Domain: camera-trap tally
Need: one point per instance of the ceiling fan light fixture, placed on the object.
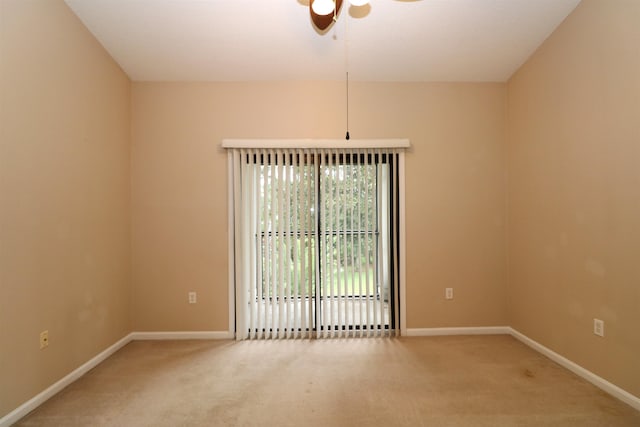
(323, 7)
(358, 2)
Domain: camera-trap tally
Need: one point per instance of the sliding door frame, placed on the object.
(315, 143)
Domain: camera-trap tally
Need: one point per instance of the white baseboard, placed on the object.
(482, 330)
(594, 379)
(49, 392)
(183, 335)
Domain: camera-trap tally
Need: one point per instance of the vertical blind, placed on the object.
(316, 249)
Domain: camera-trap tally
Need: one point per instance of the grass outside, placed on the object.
(346, 282)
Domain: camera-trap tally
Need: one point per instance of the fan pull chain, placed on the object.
(346, 61)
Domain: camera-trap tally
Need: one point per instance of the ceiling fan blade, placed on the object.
(322, 22)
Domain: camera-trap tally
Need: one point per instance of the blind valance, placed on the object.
(316, 143)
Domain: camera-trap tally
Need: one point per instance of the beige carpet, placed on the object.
(431, 381)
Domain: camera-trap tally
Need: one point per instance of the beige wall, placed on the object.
(571, 151)
(64, 197)
(574, 191)
(455, 192)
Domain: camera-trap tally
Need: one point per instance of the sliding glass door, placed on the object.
(316, 243)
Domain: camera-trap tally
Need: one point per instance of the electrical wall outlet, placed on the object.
(44, 339)
(193, 297)
(598, 327)
(448, 293)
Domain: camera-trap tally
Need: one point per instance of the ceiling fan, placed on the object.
(325, 12)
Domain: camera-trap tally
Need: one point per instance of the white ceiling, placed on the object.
(389, 40)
